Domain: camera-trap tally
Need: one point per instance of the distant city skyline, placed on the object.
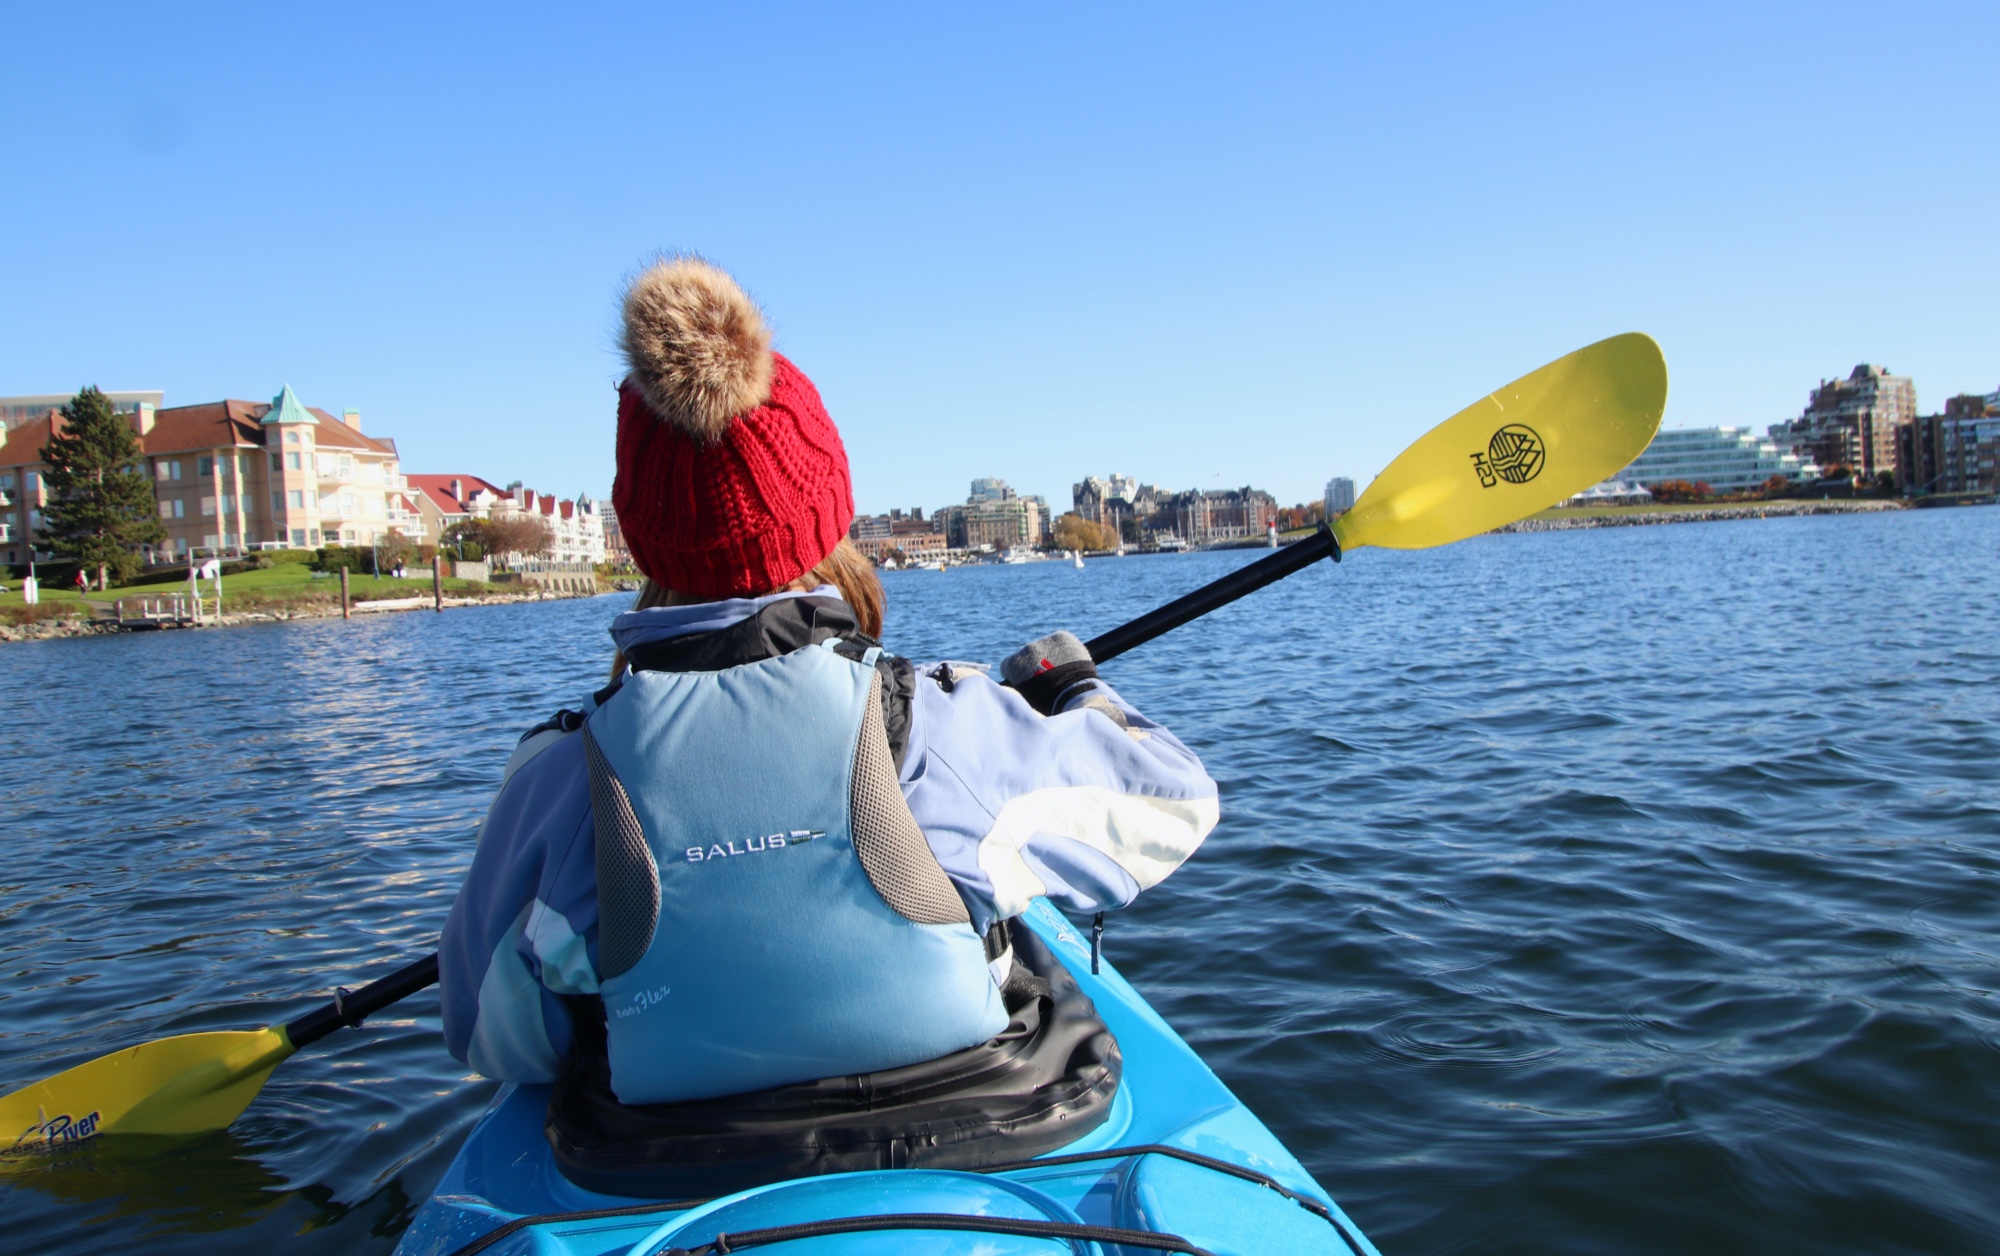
(1261, 247)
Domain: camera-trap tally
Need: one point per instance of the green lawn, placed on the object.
(284, 585)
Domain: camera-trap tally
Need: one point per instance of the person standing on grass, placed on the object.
(768, 851)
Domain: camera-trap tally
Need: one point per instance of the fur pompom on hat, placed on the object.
(732, 480)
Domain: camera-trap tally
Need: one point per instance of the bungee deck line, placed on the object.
(722, 1243)
(501, 1232)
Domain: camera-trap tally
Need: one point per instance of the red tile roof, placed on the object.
(438, 489)
(25, 441)
(192, 429)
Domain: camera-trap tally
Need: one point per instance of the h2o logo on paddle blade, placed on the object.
(1515, 454)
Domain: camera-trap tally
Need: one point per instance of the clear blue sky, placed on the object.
(1206, 246)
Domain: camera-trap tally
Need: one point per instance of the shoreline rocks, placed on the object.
(80, 626)
(1748, 510)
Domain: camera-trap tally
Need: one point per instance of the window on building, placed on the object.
(277, 501)
(243, 464)
(298, 538)
(315, 536)
(296, 499)
(291, 438)
(204, 466)
(7, 480)
(276, 465)
(229, 503)
(166, 510)
(31, 480)
(292, 462)
(346, 505)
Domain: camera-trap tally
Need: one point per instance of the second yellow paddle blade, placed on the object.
(1543, 438)
(180, 1085)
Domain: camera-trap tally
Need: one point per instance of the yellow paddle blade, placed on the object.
(182, 1085)
(1545, 437)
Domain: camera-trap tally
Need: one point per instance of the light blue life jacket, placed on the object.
(768, 910)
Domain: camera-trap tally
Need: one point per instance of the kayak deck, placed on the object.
(1179, 1155)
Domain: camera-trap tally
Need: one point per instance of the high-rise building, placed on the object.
(1852, 422)
(1954, 452)
(1339, 495)
(1727, 459)
(14, 411)
(989, 489)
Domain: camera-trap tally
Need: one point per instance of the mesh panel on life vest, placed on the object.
(628, 882)
(891, 847)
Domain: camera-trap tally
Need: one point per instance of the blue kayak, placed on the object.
(1178, 1164)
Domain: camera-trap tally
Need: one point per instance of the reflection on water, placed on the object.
(1630, 890)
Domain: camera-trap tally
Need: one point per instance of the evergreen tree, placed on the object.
(101, 504)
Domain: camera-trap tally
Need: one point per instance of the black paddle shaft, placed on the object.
(351, 1008)
(1295, 557)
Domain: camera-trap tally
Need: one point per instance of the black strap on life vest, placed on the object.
(783, 626)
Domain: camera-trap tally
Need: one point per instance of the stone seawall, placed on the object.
(1748, 510)
(80, 626)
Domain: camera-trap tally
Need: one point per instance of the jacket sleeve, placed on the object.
(523, 931)
(1088, 806)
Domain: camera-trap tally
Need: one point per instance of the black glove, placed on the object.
(1045, 671)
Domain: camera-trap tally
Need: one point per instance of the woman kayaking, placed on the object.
(767, 851)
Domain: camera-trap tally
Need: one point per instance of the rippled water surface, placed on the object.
(1630, 890)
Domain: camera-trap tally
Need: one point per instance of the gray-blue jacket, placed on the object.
(1088, 806)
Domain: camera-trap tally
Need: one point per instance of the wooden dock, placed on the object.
(148, 614)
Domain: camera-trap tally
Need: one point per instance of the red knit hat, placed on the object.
(732, 480)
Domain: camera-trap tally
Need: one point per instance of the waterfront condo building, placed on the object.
(576, 528)
(915, 536)
(1954, 452)
(1204, 516)
(1852, 422)
(232, 476)
(993, 515)
(1727, 459)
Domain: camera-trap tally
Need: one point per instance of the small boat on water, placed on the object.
(1128, 1143)
(1076, 556)
(1170, 543)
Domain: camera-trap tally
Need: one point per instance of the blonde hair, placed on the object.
(846, 569)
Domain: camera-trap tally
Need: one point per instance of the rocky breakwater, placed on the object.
(1747, 510)
(80, 625)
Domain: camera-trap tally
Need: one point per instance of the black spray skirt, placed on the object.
(1045, 1081)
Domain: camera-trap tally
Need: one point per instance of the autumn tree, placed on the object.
(515, 534)
(393, 548)
(1074, 532)
(1305, 516)
(1681, 491)
(101, 504)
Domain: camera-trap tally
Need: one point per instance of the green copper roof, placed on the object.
(285, 408)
